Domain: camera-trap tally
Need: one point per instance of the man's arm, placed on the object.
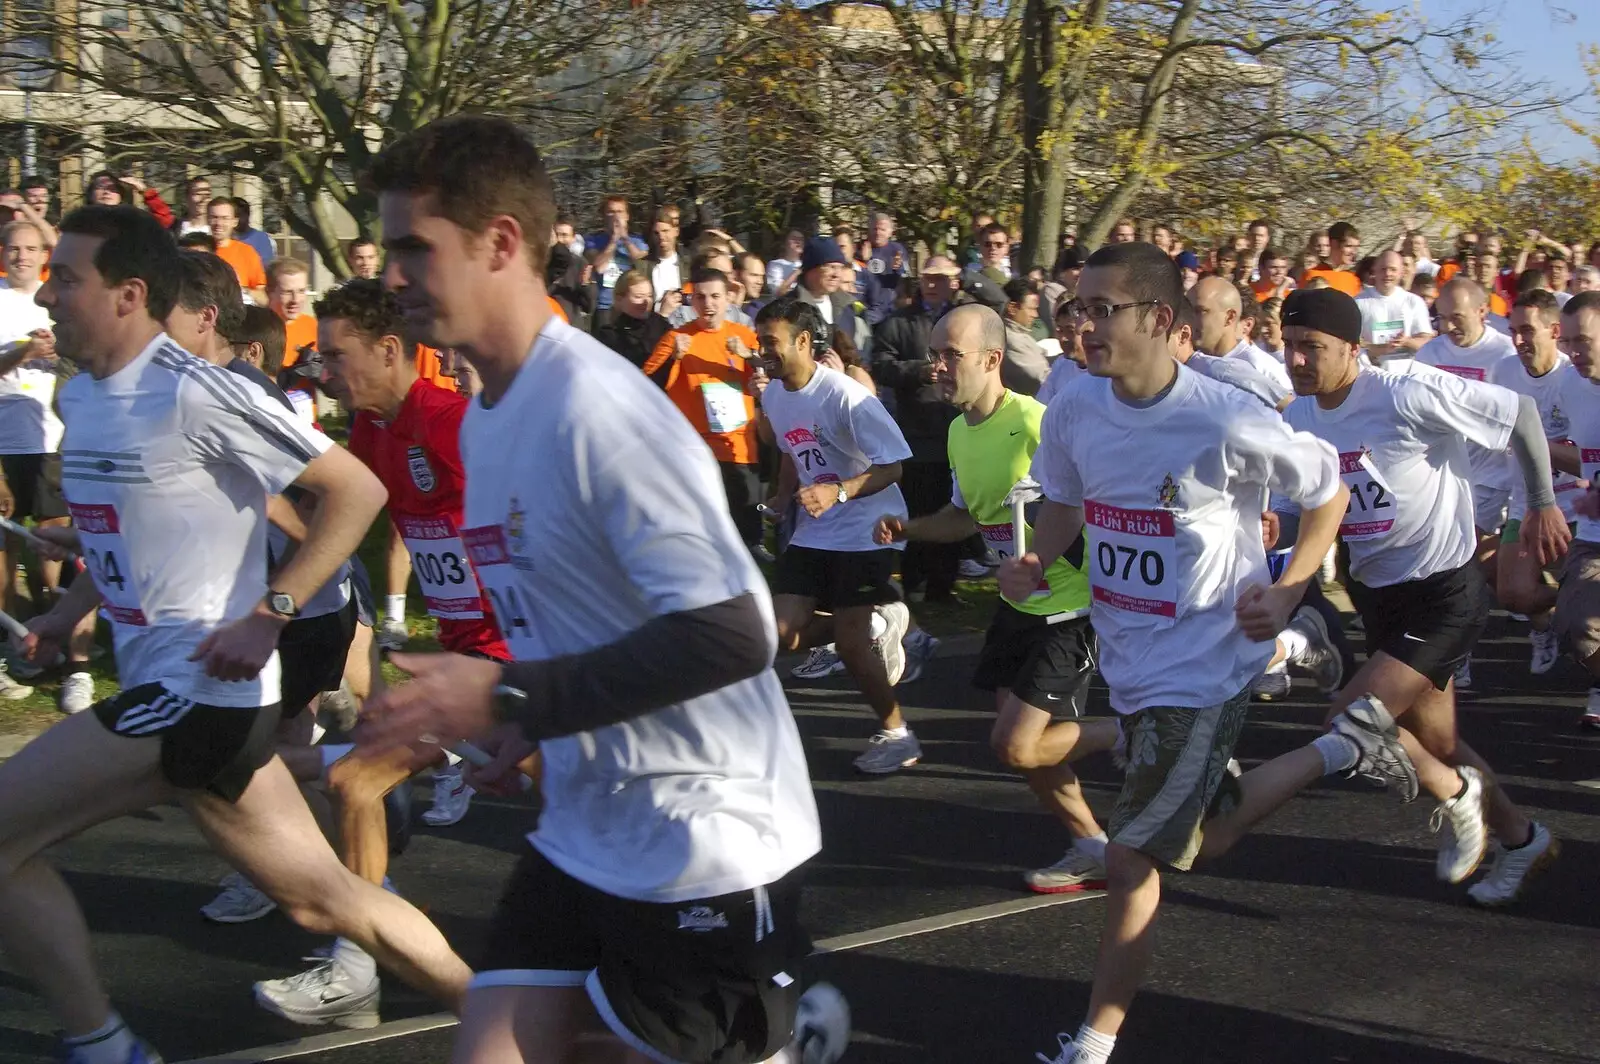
(950, 524)
(1564, 457)
(818, 499)
(1545, 534)
(1056, 529)
(350, 498)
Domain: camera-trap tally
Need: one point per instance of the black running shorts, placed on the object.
(837, 579)
(1047, 666)
(203, 748)
(312, 653)
(35, 482)
(1430, 624)
(705, 981)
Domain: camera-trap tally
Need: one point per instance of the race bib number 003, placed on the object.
(106, 557)
(1133, 564)
(444, 573)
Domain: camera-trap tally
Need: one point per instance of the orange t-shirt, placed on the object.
(709, 384)
(1498, 305)
(555, 308)
(1264, 289)
(430, 370)
(300, 332)
(1341, 280)
(1447, 271)
(246, 264)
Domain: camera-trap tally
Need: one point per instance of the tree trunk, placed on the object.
(1080, 43)
(1152, 115)
(1039, 102)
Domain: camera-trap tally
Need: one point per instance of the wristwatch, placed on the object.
(844, 496)
(282, 605)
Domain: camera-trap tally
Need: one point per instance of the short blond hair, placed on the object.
(277, 269)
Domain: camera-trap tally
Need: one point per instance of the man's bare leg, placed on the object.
(270, 836)
(74, 776)
(359, 786)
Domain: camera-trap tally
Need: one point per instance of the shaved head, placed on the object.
(1216, 302)
(1462, 309)
(1463, 293)
(976, 326)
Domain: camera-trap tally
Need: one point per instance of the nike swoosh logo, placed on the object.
(1052, 698)
(1413, 638)
(1017, 433)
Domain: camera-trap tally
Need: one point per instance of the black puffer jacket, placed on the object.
(900, 361)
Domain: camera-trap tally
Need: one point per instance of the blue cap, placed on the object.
(1187, 260)
(821, 250)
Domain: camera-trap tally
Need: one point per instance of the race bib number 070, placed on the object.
(1133, 559)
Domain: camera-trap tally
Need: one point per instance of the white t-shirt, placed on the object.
(166, 466)
(1270, 368)
(1172, 496)
(1238, 373)
(1387, 318)
(778, 271)
(1402, 443)
(1492, 359)
(834, 429)
(1427, 267)
(28, 425)
(666, 276)
(1546, 393)
(1580, 407)
(584, 453)
(1062, 373)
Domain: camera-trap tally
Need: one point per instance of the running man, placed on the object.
(1522, 584)
(677, 805)
(1164, 471)
(1038, 656)
(1403, 442)
(167, 465)
(842, 454)
(1577, 616)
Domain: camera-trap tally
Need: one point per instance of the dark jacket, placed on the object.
(632, 338)
(900, 362)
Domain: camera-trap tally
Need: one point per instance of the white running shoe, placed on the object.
(886, 754)
(1075, 871)
(1513, 868)
(1464, 674)
(1459, 823)
(1546, 651)
(821, 1026)
(972, 569)
(822, 661)
(1320, 657)
(890, 645)
(1066, 1051)
(239, 903)
(1272, 685)
(919, 651)
(393, 635)
(1591, 710)
(77, 692)
(451, 796)
(142, 1053)
(1367, 723)
(324, 994)
(11, 690)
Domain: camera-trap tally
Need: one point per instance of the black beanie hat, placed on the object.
(1325, 310)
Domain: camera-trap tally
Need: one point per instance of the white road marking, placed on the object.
(322, 1043)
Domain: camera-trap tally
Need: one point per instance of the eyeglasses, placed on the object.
(950, 356)
(1102, 311)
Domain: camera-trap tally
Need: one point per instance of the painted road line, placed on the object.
(323, 1043)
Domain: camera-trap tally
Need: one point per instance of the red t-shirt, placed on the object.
(418, 458)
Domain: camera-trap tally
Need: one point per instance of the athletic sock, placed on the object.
(1092, 1046)
(879, 625)
(354, 961)
(394, 607)
(897, 733)
(1294, 643)
(1462, 791)
(1092, 846)
(112, 1043)
(1339, 754)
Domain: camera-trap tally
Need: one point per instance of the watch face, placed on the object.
(282, 603)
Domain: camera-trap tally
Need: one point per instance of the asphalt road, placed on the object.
(1322, 938)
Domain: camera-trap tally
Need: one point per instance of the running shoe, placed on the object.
(1367, 723)
(822, 661)
(1546, 651)
(239, 903)
(1512, 869)
(1066, 1051)
(972, 569)
(451, 796)
(890, 646)
(77, 692)
(142, 1053)
(11, 690)
(324, 994)
(886, 754)
(821, 1026)
(1591, 711)
(393, 634)
(1320, 658)
(1464, 674)
(1463, 834)
(1272, 686)
(919, 647)
(1075, 871)
(23, 669)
